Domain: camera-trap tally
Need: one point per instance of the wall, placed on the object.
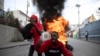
(9, 34)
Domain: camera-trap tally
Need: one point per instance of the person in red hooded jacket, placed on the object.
(53, 47)
(36, 31)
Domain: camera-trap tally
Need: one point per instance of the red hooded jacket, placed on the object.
(35, 33)
(54, 50)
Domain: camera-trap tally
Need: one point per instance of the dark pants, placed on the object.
(87, 38)
(31, 51)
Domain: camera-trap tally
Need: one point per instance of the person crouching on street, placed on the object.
(53, 47)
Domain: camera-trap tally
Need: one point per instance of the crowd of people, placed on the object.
(42, 41)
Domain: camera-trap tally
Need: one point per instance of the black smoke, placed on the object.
(49, 8)
(48, 4)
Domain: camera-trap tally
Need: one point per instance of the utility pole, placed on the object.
(78, 6)
(27, 10)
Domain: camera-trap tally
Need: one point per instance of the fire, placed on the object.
(58, 25)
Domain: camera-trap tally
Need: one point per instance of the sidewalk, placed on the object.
(98, 42)
(13, 44)
(89, 40)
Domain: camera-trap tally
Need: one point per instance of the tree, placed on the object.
(11, 20)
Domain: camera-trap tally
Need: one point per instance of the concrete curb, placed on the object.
(13, 44)
(97, 42)
(93, 41)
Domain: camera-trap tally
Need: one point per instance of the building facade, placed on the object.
(22, 17)
(1, 4)
(1, 8)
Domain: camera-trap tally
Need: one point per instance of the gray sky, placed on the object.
(70, 12)
(87, 8)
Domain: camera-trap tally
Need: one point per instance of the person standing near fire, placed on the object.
(36, 32)
(45, 35)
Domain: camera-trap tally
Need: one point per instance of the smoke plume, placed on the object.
(49, 8)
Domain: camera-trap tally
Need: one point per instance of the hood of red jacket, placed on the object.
(34, 17)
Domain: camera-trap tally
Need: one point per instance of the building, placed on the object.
(73, 31)
(22, 17)
(88, 20)
(1, 4)
(91, 18)
(1, 8)
(97, 14)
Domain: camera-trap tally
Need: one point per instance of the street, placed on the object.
(84, 48)
(81, 48)
(15, 51)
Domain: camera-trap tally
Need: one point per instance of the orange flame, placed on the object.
(58, 26)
